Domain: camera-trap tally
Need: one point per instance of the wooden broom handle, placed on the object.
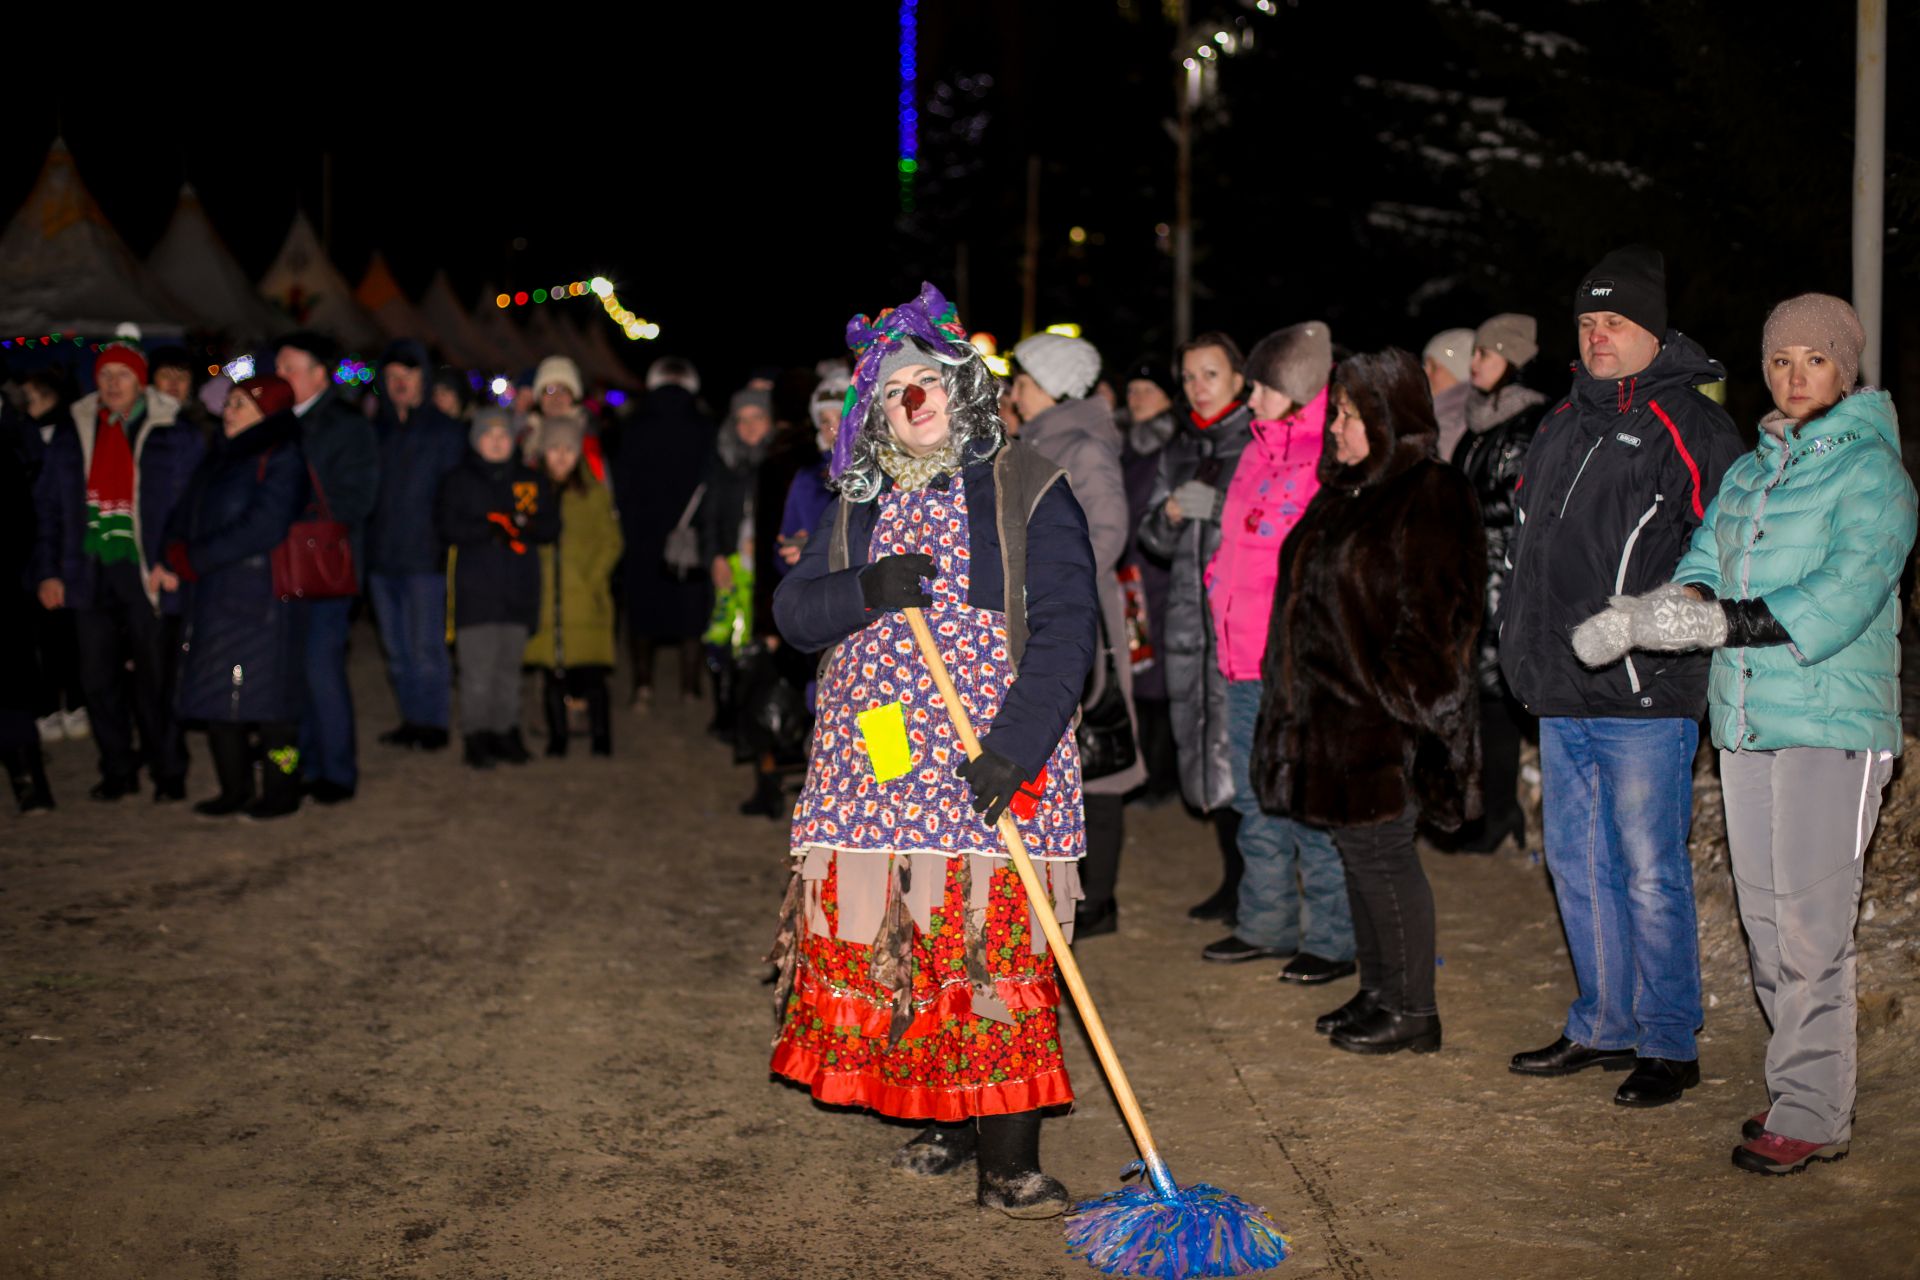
(1043, 908)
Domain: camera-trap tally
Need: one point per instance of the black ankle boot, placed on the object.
(1355, 1010)
(556, 707)
(27, 770)
(479, 750)
(600, 718)
(937, 1150)
(509, 748)
(1384, 1031)
(1010, 1177)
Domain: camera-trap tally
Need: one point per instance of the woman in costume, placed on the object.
(914, 979)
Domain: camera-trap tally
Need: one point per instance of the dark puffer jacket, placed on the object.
(238, 650)
(496, 573)
(1196, 686)
(1500, 426)
(1370, 703)
(165, 453)
(1618, 477)
(415, 456)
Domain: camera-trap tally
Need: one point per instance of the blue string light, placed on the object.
(909, 163)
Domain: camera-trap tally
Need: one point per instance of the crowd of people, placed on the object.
(1321, 597)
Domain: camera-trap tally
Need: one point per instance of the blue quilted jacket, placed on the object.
(1818, 526)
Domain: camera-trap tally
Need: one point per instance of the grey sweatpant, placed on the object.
(1798, 822)
(490, 657)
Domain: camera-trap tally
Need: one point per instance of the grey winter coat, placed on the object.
(1196, 687)
(1080, 437)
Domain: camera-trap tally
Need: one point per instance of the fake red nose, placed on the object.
(913, 398)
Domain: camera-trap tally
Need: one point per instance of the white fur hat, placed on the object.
(1066, 368)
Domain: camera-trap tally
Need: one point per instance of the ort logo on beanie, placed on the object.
(1631, 282)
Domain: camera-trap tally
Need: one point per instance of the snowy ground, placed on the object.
(513, 1025)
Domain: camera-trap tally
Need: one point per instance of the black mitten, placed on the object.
(893, 582)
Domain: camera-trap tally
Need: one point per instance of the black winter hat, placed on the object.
(1147, 369)
(323, 349)
(1631, 282)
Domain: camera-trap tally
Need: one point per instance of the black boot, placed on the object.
(938, 1149)
(27, 770)
(768, 799)
(479, 754)
(233, 767)
(1010, 1177)
(509, 748)
(555, 699)
(600, 718)
(279, 775)
(1225, 901)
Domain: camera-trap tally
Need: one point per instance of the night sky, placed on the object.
(732, 169)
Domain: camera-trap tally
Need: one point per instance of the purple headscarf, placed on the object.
(930, 318)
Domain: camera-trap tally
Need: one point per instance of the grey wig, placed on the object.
(973, 409)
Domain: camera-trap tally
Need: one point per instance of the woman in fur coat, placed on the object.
(1381, 588)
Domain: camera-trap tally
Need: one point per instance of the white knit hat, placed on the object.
(1452, 350)
(1066, 368)
(563, 371)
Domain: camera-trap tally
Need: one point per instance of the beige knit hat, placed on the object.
(1510, 335)
(1820, 321)
(1452, 350)
(560, 370)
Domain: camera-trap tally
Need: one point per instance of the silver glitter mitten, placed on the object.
(1604, 638)
(1669, 619)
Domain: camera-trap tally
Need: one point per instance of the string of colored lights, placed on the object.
(909, 111)
(635, 327)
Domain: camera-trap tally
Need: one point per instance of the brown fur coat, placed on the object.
(1369, 701)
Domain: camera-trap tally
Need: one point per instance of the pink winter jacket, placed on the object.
(1276, 478)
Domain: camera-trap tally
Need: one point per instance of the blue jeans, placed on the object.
(1293, 870)
(1619, 800)
(411, 610)
(326, 718)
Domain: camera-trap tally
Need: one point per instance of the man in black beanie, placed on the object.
(1617, 479)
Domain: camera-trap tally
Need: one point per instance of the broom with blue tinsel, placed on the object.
(1155, 1228)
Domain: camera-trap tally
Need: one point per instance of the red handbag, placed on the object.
(315, 560)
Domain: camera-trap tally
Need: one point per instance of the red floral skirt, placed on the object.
(951, 1064)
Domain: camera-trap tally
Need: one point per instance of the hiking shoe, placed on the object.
(1233, 949)
(1771, 1153)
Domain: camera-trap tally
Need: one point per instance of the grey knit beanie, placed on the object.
(1295, 361)
(489, 419)
(562, 429)
(1066, 368)
(1510, 335)
(1452, 350)
(1820, 321)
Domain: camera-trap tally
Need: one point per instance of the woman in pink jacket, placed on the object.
(1293, 895)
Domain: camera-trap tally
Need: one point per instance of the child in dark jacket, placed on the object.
(496, 512)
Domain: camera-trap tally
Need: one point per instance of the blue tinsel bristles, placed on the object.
(1201, 1231)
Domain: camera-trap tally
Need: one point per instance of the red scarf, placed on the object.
(1204, 423)
(109, 534)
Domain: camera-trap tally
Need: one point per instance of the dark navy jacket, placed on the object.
(816, 608)
(165, 454)
(415, 457)
(238, 651)
(492, 581)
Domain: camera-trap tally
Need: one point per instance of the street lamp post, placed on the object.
(1869, 176)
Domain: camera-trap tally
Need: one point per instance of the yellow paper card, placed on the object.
(885, 729)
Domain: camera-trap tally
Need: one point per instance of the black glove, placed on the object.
(993, 779)
(1750, 623)
(893, 582)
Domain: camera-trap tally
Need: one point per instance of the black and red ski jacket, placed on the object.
(1619, 476)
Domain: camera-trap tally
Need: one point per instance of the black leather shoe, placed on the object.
(168, 790)
(1384, 1031)
(325, 792)
(113, 788)
(222, 806)
(1363, 1003)
(1098, 921)
(1564, 1057)
(428, 738)
(1310, 970)
(1219, 906)
(1232, 949)
(1657, 1081)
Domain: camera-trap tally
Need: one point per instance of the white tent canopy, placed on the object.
(383, 299)
(195, 265)
(64, 269)
(304, 284)
(460, 338)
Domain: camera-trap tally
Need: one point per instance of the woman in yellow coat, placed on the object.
(576, 589)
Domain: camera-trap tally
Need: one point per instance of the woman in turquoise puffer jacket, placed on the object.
(1794, 579)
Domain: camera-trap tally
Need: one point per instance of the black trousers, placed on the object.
(1100, 869)
(1500, 721)
(121, 627)
(237, 746)
(53, 638)
(1153, 720)
(1392, 903)
(644, 647)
